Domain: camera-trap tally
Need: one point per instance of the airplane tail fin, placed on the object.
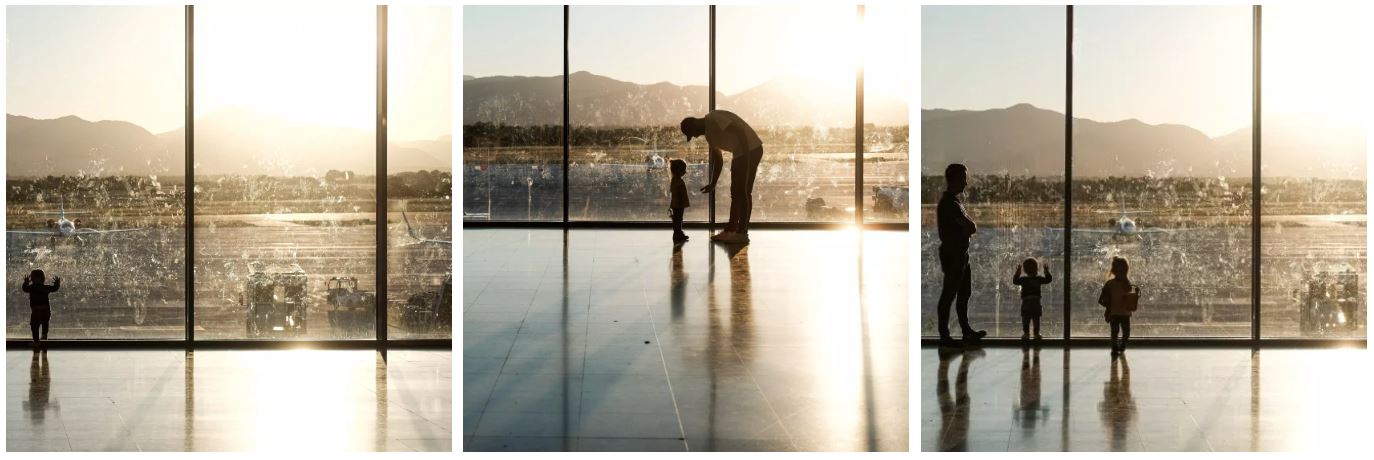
(409, 230)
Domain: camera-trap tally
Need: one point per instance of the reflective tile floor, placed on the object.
(1010, 399)
(618, 340)
(228, 400)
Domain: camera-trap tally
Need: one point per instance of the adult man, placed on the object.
(955, 229)
(726, 131)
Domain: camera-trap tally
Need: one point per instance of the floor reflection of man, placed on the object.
(954, 410)
(1028, 408)
(1118, 407)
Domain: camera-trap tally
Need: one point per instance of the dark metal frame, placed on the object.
(567, 223)
(1255, 207)
(1068, 166)
(381, 340)
(1255, 339)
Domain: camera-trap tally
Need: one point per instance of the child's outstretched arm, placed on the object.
(56, 283)
(1016, 278)
(27, 282)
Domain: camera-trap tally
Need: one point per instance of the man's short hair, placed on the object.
(686, 126)
(955, 168)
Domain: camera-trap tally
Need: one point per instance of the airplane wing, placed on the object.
(89, 231)
(1095, 230)
(28, 232)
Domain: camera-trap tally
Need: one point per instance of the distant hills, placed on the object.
(1026, 140)
(232, 141)
(601, 101)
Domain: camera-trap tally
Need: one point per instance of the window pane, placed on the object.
(636, 73)
(789, 72)
(887, 147)
(512, 113)
(285, 171)
(420, 165)
(94, 115)
(992, 84)
(1162, 166)
(1313, 228)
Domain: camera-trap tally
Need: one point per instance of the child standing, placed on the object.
(1121, 298)
(1030, 295)
(678, 201)
(41, 310)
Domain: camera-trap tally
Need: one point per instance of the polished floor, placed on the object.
(1013, 399)
(602, 340)
(229, 400)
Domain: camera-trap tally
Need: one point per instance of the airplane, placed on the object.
(63, 227)
(1124, 225)
(653, 160)
(417, 237)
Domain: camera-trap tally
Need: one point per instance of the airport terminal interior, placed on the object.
(221, 242)
(1215, 164)
(588, 327)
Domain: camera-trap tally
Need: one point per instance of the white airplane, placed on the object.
(63, 227)
(415, 235)
(1123, 225)
(653, 160)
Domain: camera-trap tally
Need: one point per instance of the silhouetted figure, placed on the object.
(1028, 409)
(1120, 297)
(956, 228)
(726, 131)
(1118, 407)
(1030, 295)
(40, 309)
(678, 202)
(954, 411)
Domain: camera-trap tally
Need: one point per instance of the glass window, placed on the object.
(1162, 99)
(285, 171)
(420, 165)
(789, 72)
(992, 84)
(636, 73)
(512, 113)
(95, 170)
(887, 147)
(1313, 225)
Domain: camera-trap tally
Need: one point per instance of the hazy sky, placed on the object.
(651, 44)
(1187, 65)
(303, 63)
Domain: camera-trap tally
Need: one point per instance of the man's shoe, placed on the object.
(722, 233)
(974, 335)
(1025, 336)
(1038, 337)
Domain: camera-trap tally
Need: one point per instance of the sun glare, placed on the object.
(307, 64)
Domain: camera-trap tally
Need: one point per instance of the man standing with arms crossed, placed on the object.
(956, 228)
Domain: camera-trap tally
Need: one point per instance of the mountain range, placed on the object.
(601, 101)
(230, 141)
(1023, 139)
